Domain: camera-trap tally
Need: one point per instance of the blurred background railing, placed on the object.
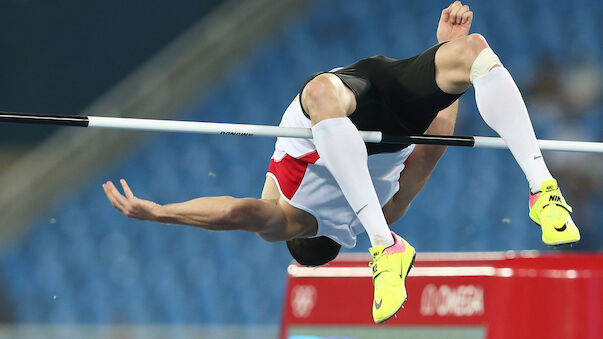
(68, 258)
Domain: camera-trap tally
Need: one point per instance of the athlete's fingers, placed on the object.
(467, 17)
(458, 13)
(445, 15)
(127, 189)
(449, 9)
(462, 13)
(454, 12)
(120, 202)
(457, 17)
(109, 195)
(111, 198)
(109, 191)
(452, 6)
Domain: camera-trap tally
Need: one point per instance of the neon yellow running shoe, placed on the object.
(549, 210)
(390, 268)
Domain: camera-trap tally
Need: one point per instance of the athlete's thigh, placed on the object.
(453, 62)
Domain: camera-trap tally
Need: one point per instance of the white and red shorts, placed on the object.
(307, 184)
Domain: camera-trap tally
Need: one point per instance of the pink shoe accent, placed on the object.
(533, 198)
(397, 247)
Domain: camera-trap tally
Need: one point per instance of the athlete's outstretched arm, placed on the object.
(212, 213)
(420, 165)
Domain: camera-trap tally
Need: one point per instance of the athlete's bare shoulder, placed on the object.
(300, 224)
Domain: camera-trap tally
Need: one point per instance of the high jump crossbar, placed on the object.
(277, 131)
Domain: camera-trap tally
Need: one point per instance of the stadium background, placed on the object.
(73, 264)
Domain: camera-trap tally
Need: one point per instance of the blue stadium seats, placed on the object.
(103, 267)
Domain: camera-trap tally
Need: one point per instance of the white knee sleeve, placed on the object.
(484, 62)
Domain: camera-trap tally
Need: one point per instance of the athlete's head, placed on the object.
(313, 251)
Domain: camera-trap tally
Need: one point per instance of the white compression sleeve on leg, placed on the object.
(503, 109)
(342, 149)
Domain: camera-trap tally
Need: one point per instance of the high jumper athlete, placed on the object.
(320, 194)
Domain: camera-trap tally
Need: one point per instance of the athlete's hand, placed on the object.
(454, 22)
(130, 205)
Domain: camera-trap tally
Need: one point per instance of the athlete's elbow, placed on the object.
(241, 214)
(425, 158)
(271, 237)
(433, 154)
(233, 215)
(395, 211)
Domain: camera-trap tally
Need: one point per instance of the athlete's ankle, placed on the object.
(383, 240)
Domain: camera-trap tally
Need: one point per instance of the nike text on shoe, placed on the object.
(549, 210)
(390, 268)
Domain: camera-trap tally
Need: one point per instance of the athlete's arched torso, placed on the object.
(395, 96)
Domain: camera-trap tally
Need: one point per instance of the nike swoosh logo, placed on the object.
(562, 228)
(378, 305)
(537, 157)
(361, 208)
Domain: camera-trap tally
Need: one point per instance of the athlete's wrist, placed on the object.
(160, 213)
